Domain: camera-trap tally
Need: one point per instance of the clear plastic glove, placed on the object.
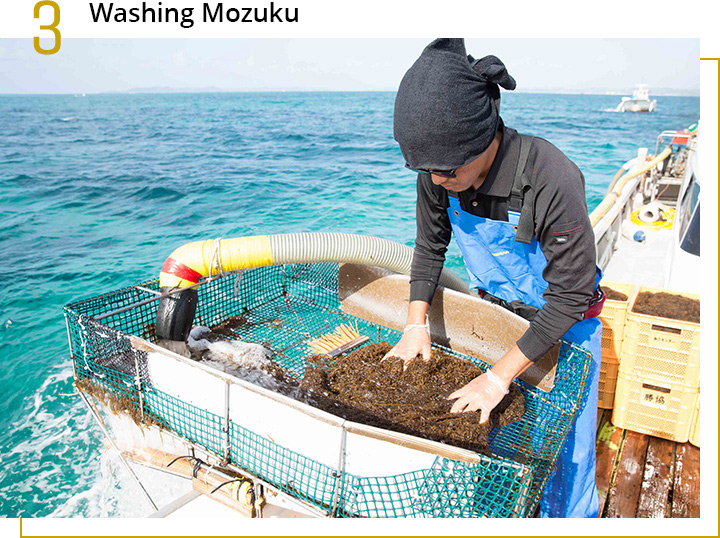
(484, 392)
(415, 340)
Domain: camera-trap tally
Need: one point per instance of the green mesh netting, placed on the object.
(284, 308)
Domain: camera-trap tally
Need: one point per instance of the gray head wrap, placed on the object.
(447, 108)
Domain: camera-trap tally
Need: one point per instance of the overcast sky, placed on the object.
(97, 65)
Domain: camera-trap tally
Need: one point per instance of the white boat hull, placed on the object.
(637, 105)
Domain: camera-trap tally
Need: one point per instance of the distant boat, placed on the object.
(639, 102)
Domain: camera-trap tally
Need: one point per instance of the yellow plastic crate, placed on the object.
(653, 407)
(613, 319)
(695, 432)
(660, 348)
(606, 385)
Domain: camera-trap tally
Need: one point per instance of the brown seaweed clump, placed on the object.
(668, 305)
(124, 404)
(227, 327)
(363, 388)
(614, 295)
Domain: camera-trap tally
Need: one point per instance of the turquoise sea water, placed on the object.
(98, 190)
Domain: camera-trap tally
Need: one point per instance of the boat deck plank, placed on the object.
(657, 479)
(624, 493)
(609, 440)
(643, 476)
(686, 494)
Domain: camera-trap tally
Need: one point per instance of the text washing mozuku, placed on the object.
(108, 12)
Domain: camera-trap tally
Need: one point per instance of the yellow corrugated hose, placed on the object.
(214, 256)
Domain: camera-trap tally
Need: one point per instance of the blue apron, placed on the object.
(511, 270)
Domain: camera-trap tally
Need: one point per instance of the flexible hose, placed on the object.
(624, 168)
(193, 261)
(351, 248)
(610, 199)
(188, 264)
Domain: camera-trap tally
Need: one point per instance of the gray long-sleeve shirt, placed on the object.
(562, 227)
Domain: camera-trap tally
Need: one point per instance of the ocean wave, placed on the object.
(292, 137)
(156, 193)
(21, 177)
(72, 204)
(73, 276)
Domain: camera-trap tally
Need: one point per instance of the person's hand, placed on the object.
(415, 341)
(484, 392)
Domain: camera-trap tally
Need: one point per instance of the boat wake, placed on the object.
(112, 492)
(54, 456)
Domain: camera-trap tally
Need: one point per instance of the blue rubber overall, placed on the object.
(511, 270)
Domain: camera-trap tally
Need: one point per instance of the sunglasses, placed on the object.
(441, 173)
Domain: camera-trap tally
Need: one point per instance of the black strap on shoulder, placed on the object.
(523, 310)
(522, 197)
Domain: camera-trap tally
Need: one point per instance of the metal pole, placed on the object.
(72, 358)
(148, 290)
(339, 473)
(226, 424)
(259, 499)
(127, 465)
(138, 385)
(129, 307)
(153, 299)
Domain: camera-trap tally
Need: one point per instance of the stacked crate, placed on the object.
(613, 319)
(695, 433)
(659, 375)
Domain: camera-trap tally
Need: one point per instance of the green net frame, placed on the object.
(285, 307)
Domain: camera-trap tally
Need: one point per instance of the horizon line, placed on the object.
(171, 91)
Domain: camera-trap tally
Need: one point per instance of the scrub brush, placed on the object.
(333, 344)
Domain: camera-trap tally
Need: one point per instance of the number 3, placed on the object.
(52, 27)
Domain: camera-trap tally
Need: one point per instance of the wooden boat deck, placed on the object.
(643, 476)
